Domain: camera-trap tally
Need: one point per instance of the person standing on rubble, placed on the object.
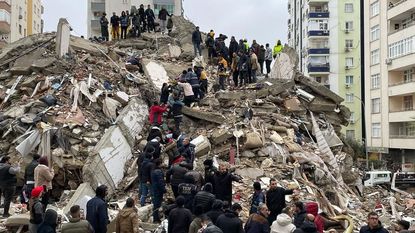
(8, 182)
(163, 18)
(188, 190)
(197, 40)
(43, 177)
(312, 208)
(233, 46)
(234, 68)
(216, 210)
(145, 178)
(103, 21)
(210, 44)
(115, 26)
(170, 24)
(222, 67)
(299, 214)
(277, 49)
(127, 220)
(150, 19)
(179, 218)
(254, 66)
(124, 21)
(257, 222)
(243, 65)
(36, 209)
(197, 220)
(29, 178)
(159, 189)
(76, 223)
(223, 183)
(135, 20)
(164, 93)
(261, 58)
(229, 221)
(210, 171)
(268, 59)
(187, 150)
(175, 176)
(275, 199)
(373, 224)
(142, 14)
(97, 211)
(188, 92)
(194, 81)
(197, 177)
(204, 198)
(203, 82)
(156, 113)
(255, 47)
(257, 198)
(176, 106)
(50, 222)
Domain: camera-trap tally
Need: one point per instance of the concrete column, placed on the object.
(62, 37)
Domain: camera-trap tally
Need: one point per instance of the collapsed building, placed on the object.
(77, 102)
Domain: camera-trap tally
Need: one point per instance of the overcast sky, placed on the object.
(263, 20)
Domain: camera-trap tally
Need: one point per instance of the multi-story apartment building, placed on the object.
(390, 78)
(326, 36)
(19, 18)
(97, 7)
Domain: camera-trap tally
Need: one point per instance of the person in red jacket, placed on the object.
(156, 113)
(312, 208)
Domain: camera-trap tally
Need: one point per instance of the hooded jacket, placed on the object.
(127, 221)
(49, 223)
(312, 208)
(156, 114)
(282, 224)
(97, 214)
(229, 222)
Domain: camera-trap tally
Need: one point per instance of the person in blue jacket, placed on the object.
(96, 210)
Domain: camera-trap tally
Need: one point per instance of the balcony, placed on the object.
(318, 33)
(5, 5)
(402, 88)
(402, 115)
(401, 142)
(318, 51)
(397, 7)
(318, 68)
(318, 15)
(4, 27)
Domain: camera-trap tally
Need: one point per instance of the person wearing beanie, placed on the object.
(204, 198)
(179, 218)
(29, 177)
(216, 211)
(8, 182)
(257, 198)
(229, 221)
(197, 221)
(36, 209)
(96, 210)
(50, 222)
(283, 224)
(210, 171)
(43, 177)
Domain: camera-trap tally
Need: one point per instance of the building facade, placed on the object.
(390, 77)
(19, 18)
(326, 36)
(97, 7)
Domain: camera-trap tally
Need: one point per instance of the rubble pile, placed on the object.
(87, 111)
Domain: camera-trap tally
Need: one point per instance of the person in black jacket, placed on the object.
(208, 226)
(197, 40)
(142, 14)
(179, 218)
(300, 214)
(163, 19)
(29, 178)
(155, 145)
(188, 190)
(373, 224)
(204, 198)
(103, 21)
(233, 47)
(97, 211)
(216, 211)
(210, 171)
(159, 189)
(307, 226)
(275, 199)
(257, 222)
(223, 183)
(50, 222)
(145, 178)
(135, 20)
(175, 176)
(243, 66)
(188, 151)
(150, 19)
(8, 182)
(115, 26)
(229, 222)
(261, 58)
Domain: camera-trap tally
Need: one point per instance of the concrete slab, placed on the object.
(80, 44)
(156, 73)
(202, 144)
(319, 89)
(132, 118)
(220, 135)
(251, 173)
(62, 37)
(17, 220)
(23, 65)
(202, 115)
(43, 62)
(82, 195)
(285, 65)
(174, 51)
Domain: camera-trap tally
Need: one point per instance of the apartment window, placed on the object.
(20, 29)
(349, 44)
(375, 130)
(349, 79)
(349, 61)
(349, 25)
(349, 97)
(124, 1)
(374, 33)
(374, 57)
(351, 119)
(350, 134)
(408, 103)
(375, 81)
(348, 8)
(25, 32)
(408, 75)
(401, 48)
(374, 9)
(4, 15)
(376, 105)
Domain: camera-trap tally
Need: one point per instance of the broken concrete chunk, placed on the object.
(121, 97)
(251, 173)
(275, 137)
(202, 115)
(174, 51)
(319, 89)
(202, 145)
(220, 135)
(267, 163)
(82, 195)
(43, 62)
(248, 154)
(253, 140)
(156, 73)
(23, 65)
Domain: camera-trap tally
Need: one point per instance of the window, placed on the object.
(349, 97)
(408, 103)
(348, 8)
(350, 134)
(375, 81)
(376, 105)
(375, 130)
(401, 48)
(349, 79)
(374, 9)
(351, 119)
(374, 33)
(374, 57)
(20, 29)
(24, 32)
(4, 15)
(124, 1)
(408, 75)
(349, 44)
(349, 61)
(349, 25)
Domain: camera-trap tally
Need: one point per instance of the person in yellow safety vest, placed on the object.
(246, 45)
(222, 67)
(277, 49)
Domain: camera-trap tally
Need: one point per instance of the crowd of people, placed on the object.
(132, 24)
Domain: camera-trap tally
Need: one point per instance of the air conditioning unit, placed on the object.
(388, 61)
(348, 85)
(347, 67)
(351, 121)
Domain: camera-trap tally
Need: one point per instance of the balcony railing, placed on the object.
(401, 83)
(392, 4)
(318, 15)
(318, 51)
(402, 110)
(314, 68)
(402, 28)
(318, 33)
(404, 136)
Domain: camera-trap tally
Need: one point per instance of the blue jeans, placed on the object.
(197, 49)
(145, 189)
